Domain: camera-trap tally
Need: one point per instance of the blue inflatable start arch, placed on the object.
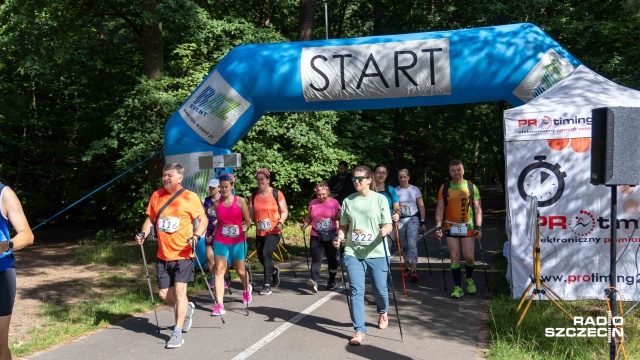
(511, 62)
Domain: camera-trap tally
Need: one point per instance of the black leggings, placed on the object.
(318, 249)
(266, 245)
(7, 291)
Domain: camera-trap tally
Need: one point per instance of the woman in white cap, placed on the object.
(210, 210)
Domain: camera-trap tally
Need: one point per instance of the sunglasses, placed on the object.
(360, 178)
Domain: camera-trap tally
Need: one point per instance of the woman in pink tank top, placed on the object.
(230, 240)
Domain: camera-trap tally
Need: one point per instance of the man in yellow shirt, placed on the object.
(459, 204)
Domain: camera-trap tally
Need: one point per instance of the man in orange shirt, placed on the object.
(176, 240)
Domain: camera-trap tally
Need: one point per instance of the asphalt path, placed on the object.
(293, 323)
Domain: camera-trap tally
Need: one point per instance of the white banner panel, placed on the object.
(373, 71)
(213, 108)
(575, 221)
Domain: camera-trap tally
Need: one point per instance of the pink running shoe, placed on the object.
(218, 309)
(246, 295)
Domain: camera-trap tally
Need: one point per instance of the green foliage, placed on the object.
(77, 110)
(299, 149)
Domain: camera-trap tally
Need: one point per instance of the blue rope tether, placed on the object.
(98, 189)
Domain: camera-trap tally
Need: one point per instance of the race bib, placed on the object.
(324, 224)
(405, 209)
(211, 211)
(362, 237)
(168, 224)
(230, 230)
(458, 229)
(264, 225)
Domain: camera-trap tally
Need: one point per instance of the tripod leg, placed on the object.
(524, 312)
(555, 302)
(524, 296)
(554, 293)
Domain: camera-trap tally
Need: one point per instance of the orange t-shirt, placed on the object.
(265, 213)
(175, 225)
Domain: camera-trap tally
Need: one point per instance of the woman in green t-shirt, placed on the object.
(364, 222)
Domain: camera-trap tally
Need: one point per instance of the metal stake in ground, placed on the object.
(386, 255)
(284, 246)
(153, 300)
(193, 247)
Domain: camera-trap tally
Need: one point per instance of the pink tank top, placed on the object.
(229, 231)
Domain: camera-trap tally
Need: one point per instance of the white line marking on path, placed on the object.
(282, 328)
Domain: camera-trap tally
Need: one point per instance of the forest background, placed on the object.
(86, 87)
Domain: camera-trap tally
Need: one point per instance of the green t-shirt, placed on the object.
(364, 215)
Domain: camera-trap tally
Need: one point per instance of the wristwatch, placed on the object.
(9, 245)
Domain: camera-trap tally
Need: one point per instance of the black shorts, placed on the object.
(174, 271)
(7, 291)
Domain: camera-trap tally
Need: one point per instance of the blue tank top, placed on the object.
(6, 258)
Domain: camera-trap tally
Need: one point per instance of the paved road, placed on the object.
(292, 323)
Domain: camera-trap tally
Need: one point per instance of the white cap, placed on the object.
(214, 183)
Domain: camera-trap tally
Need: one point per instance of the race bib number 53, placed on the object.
(362, 237)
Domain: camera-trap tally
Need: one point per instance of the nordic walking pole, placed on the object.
(393, 291)
(246, 273)
(193, 250)
(424, 241)
(484, 266)
(344, 283)
(153, 300)
(288, 255)
(444, 279)
(306, 251)
(404, 284)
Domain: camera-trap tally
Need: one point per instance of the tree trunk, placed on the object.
(307, 12)
(152, 41)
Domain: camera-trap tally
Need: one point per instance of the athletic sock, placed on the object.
(457, 274)
(469, 269)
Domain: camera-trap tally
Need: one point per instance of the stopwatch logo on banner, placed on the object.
(545, 122)
(543, 181)
(582, 223)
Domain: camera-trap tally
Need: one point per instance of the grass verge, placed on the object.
(529, 342)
